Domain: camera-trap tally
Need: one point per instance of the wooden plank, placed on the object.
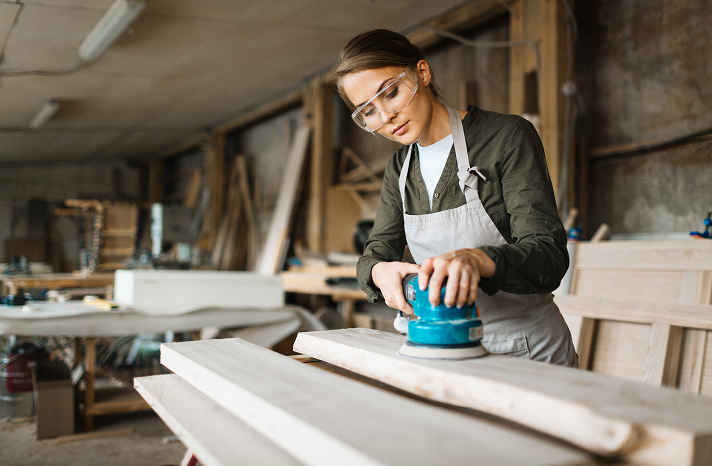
(606, 415)
(621, 349)
(248, 211)
(551, 77)
(584, 346)
(654, 255)
(693, 360)
(321, 165)
(462, 18)
(268, 262)
(516, 58)
(706, 382)
(263, 112)
(324, 419)
(697, 316)
(193, 190)
(217, 437)
(660, 285)
(662, 362)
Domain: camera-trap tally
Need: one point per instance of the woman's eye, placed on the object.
(367, 112)
(392, 93)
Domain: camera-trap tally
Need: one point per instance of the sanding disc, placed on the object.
(435, 352)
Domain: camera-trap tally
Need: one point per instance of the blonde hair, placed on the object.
(376, 49)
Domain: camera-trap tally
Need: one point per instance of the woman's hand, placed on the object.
(388, 277)
(463, 269)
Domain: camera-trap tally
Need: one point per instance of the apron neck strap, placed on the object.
(458, 139)
(463, 160)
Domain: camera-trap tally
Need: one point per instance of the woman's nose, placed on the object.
(386, 115)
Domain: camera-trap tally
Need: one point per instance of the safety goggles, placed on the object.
(391, 99)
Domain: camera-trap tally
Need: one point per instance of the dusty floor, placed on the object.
(18, 446)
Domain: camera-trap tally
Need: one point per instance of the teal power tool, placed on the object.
(439, 332)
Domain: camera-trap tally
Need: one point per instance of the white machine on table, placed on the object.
(177, 289)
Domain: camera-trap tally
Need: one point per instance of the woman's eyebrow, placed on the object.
(377, 91)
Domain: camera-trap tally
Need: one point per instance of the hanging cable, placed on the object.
(488, 44)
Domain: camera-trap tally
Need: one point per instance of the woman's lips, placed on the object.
(400, 129)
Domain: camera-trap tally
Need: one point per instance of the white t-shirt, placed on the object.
(432, 163)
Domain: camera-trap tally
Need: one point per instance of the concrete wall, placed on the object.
(644, 68)
(54, 183)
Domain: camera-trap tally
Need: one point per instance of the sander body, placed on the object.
(440, 332)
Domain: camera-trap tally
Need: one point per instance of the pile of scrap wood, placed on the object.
(107, 232)
(235, 242)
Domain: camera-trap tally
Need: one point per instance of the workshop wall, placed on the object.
(53, 183)
(644, 68)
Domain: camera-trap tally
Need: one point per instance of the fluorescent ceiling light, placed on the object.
(117, 19)
(45, 114)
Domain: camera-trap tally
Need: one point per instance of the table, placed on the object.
(86, 323)
(313, 281)
(53, 281)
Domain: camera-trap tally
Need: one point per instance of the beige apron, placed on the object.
(528, 326)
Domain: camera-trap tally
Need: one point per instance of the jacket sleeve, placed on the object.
(537, 259)
(387, 241)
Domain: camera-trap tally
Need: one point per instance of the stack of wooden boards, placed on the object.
(232, 402)
(642, 310)
(110, 233)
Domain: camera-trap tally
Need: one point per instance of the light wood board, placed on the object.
(607, 415)
(217, 437)
(670, 255)
(324, 419)
(631, 310)
(268, 262)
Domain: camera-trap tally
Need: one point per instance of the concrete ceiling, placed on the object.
(185, 65)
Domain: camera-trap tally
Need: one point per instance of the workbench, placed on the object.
(312, 280)
(74, 319)
(54, 281)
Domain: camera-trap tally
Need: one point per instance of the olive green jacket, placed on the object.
(518, 197)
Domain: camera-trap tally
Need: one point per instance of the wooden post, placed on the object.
(319, 105)
(516, 58)
(541, 21)
(89, 375)
(155, 180)
(215, 180)
(551, 77)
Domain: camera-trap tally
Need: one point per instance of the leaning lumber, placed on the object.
(217, 437)
(605, 415)
(321, 418)
(268, 262)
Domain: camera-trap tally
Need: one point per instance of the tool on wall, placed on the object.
(439, 332)
(704, 234)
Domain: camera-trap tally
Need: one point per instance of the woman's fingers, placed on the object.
(463, 292)
(472, 295)
(426, 269)
(452, 288)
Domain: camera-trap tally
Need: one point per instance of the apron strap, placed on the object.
(404, 175)
(464, 172)
(466, 175)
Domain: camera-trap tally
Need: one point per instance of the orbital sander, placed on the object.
(439, 332)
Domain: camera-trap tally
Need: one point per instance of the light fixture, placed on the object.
(45, 114)
(117, 19)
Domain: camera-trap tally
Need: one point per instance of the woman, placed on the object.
(471, 196)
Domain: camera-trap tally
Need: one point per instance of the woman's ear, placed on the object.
(423, 70)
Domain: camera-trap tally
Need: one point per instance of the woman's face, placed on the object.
(406, 126)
